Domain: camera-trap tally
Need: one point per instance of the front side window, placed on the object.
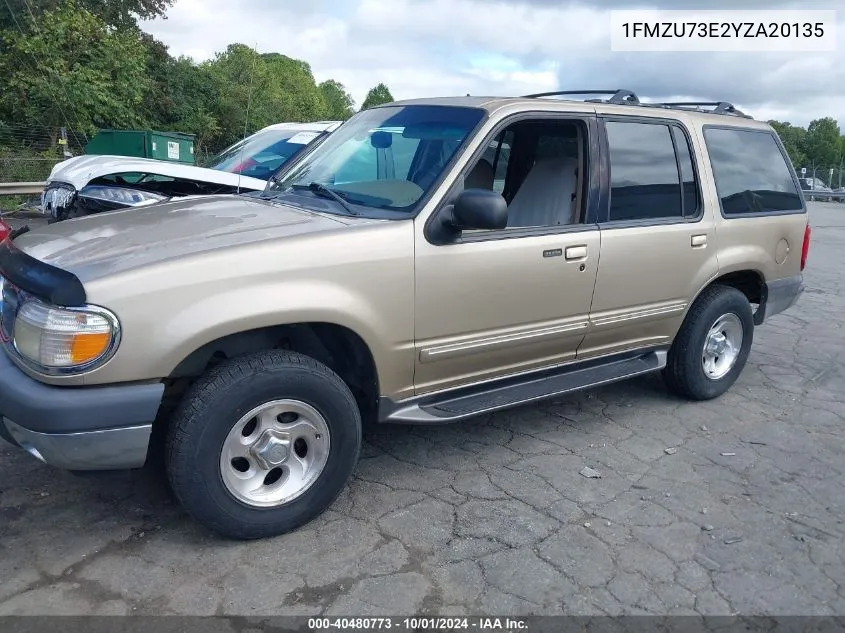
(644, 178)
(751, 173)
(384, 158)
(541, 181)
(498, 155)
(263, 153)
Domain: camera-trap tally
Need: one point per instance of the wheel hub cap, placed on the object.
(274, 453)
(716, 344)
(271, 449)
(722, 346)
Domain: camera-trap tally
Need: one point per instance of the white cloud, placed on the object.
(506, 47)
(417, 49)
(508, 29)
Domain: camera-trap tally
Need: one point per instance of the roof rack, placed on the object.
(620, 95)
(719, 107)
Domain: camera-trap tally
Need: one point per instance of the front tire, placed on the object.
(712, 346)
(263, 444)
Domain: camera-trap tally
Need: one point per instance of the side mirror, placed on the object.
(480, 209)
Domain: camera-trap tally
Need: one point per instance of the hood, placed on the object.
(109, 243)
(80, 170)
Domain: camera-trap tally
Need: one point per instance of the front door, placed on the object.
(506, 301)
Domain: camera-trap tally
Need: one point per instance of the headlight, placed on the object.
(58, 338)
(120, 195)
(56, 198)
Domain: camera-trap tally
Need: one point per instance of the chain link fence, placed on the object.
(16, 169)
(822, 178)
(27, 154)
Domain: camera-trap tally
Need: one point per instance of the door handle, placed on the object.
(698, 241)
(576, 252)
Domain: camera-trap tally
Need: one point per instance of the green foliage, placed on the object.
(821, 146)
(271, 87)
(181, 97)
(377, 96)
(25, 165)
(339, 103)
(794, 140)
(86, 65)
(824, 143)
(115, 13)
(73, 68)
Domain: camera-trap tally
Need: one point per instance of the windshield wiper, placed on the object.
(321, 190)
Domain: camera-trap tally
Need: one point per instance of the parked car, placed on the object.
(245, 340)
(90, 184)
(814, 184)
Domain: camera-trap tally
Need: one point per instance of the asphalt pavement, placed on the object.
(730, 506)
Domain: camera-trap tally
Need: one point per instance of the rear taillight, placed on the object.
(5, 229)
(805, 248)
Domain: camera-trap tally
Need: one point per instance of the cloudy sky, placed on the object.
(510, 47)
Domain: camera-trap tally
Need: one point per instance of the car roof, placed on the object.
(720, 113)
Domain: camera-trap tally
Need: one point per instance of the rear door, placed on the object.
(657, 236)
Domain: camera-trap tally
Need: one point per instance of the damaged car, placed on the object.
(89, 184)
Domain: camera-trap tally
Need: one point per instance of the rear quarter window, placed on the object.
(751, 172)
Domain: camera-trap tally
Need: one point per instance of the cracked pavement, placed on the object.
(491, 516)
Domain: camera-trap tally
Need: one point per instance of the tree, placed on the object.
(273, 87)
(294, 89)
(376, 96)
(794, 140)
(823, 142)
(116, 13)
(69, 68)
(339, 103)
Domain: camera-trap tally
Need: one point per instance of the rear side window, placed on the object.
(751, 172)
(646, 173)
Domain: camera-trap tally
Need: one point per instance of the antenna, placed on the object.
(246, 120)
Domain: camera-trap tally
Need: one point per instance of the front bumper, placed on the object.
(78, 428)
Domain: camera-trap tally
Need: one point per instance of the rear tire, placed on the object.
(712, 346)
(263, 444)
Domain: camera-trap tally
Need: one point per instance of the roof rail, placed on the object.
(620, 95)
(719, 107)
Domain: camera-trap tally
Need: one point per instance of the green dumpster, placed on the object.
(174, 147)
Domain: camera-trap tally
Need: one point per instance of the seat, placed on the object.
(481, 176)
(547, 195)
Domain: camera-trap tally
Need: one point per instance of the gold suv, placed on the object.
(431, 260)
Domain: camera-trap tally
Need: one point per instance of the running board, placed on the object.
(517, 390)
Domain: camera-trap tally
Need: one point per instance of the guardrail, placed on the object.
(21, 188)
(811, 194)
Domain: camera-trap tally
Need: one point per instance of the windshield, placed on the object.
(383, 158)
(262, 154)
